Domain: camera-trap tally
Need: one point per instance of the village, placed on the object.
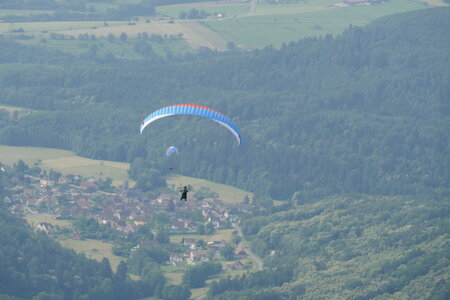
(125, 210)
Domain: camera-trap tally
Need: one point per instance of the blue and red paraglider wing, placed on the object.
(196, 110)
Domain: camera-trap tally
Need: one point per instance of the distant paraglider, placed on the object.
(197, 110)
(171, 151)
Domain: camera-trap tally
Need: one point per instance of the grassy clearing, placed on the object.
(295, 8)
(195, 35)
(22, 12)
(275, 24)
(226, 9)
(435, 2)
(34, 219)
(196, 293)
(117, 48)
(10, 154)
(218, 236)
(226, 193)
(14, 108)
(39, 27)
(198, 36)
(174, 278)
(89, 167)
(65, 162)
(93, 249)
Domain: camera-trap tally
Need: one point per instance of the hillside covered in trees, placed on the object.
(352, 131)
(364, 112)
(359, 247)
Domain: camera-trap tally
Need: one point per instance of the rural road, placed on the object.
(252, 255)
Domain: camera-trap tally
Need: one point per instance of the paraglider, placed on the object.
(197, 110)
(184, 190)
(171, 151)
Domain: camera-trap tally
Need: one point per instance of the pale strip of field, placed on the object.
(11, 154)
(267, 10)
(226, 193)
(174, 277)
(131, 30)
(198, 36)
(34, 219)
(93, 249)
(195, 34)
(435, 2)
(65, 162)
(207, 4)
(37, 27)
(217, 236)
(21, 12)
(13, 108)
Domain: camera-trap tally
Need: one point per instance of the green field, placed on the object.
(117, 47)
(34, 219)
(226, 193)
(93, 249)
(22, 12)
(244, 24)
(39, 27)
(65, 162)
(217, 236)
(278, 23)
(20, 110)
(228, 10)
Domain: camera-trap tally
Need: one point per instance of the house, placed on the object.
(218, 223)
(165, 198)
(176, 258)
(46, 182)
(239, 251)
(122, 215)
(76, 236)
(189, 242)
(216, 245)
(88, 187)
(148, 244)
(237, 265)
(63, 180)
(45, 227)
(197, 256)
(49, 201)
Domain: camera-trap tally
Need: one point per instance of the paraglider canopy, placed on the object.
(197, 110)
(171, 151)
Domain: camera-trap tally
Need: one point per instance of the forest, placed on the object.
(352, 132)
(363, 112)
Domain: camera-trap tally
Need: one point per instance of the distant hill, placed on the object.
(360, 247)
(364, 112)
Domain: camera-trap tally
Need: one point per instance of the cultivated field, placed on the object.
(217, 236)
(34, 219)
(93, 249)
(226, 193)
(278, 23)
(67, 162)
(252, 24)
(226, 9)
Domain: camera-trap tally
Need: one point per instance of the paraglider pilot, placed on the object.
(184, 192)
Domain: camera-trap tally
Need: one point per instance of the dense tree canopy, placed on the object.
(366, 111)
